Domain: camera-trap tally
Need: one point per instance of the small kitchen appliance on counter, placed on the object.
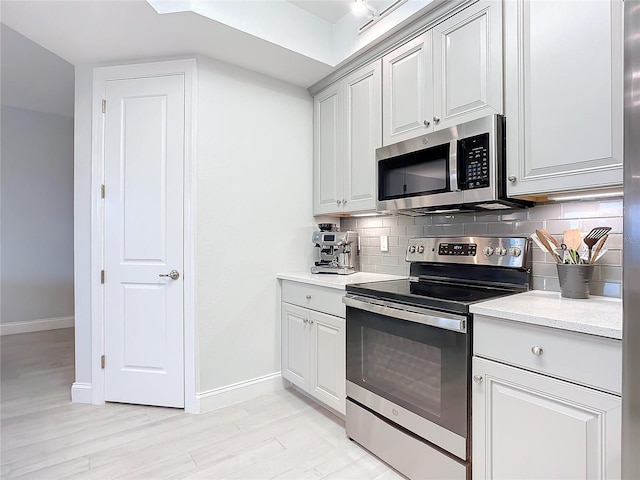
(337, 251)
(409, 351)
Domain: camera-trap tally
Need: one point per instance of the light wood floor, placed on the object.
(44, 436)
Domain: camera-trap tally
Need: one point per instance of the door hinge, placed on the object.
(103, 361)
(104, 106)
(101, 276)
(103, 191)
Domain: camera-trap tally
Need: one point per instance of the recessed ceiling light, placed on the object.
(363, 9)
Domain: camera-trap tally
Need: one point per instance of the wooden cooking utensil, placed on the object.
(545, 242)
(572, 239)
(593, 236)
(550, 237)
(598, 248)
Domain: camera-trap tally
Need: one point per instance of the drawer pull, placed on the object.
(478, 379)
(537, 350)
(308, 297)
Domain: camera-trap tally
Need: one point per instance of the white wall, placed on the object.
(254, 216)
(82, 221)
(36, 215)
(36, 186)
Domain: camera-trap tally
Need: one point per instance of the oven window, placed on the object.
(417, 173)
(418, 367)
(408, 370)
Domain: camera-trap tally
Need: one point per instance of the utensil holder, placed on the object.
(574, 280)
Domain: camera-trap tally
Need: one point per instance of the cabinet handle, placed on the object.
(512, 178)
(537, 350)
(308, 297)
(344, 202)
(304, 320)
(478, 379)
(338, 202)
(310, 322)
(427, 123)
(436, 120)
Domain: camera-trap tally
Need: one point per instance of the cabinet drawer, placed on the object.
(576, 357)
(322, 299)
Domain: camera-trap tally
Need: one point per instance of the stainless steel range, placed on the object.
(409, 351)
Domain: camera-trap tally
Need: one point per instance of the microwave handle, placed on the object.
(453, 166)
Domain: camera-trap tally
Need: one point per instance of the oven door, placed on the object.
(411, 366)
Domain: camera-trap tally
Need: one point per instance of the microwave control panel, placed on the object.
(473, 155)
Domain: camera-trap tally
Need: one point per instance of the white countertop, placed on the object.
(600, 316)
(336, 281)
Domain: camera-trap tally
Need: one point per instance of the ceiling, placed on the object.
(298, 41)
(329, 10)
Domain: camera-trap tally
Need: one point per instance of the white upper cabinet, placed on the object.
(563, 95)
(328, 162)
(467, 65)
(348, 118)
(363, 135)
(446, 76)
(408, 91)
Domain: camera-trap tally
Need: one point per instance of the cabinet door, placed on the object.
(328, 360)
(407, 98)
(526, 425)
(328, 148)
(363, 130)
(563, 95)
(295, 345)
(467, 65)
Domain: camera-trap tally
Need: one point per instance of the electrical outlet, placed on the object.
(384, 243)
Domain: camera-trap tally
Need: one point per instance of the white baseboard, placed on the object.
(239, 392)
(36, 325)
(81, 392)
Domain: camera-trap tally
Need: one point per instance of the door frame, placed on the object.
(101, 75)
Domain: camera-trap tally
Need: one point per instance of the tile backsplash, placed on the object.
(554, 217)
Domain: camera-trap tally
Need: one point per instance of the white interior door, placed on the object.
(144, 156)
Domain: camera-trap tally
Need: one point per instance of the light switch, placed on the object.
(384, 243)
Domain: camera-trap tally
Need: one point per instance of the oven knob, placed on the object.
(412, 249)
(421, 249)
(515, 251)
(488, 251)
(501, 251)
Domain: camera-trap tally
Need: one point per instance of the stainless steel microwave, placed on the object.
(458, 168)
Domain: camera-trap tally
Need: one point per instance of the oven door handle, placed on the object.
(405, 312)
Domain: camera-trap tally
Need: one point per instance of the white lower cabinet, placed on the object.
(527, 425)
(531, 425)
(313, 354)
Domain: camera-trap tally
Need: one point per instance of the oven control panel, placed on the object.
(465, 249)
(494, 251)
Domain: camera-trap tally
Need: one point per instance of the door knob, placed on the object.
(427, 123)
(512, 178)
(436, 120)
(173, 274)
(477, 378)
